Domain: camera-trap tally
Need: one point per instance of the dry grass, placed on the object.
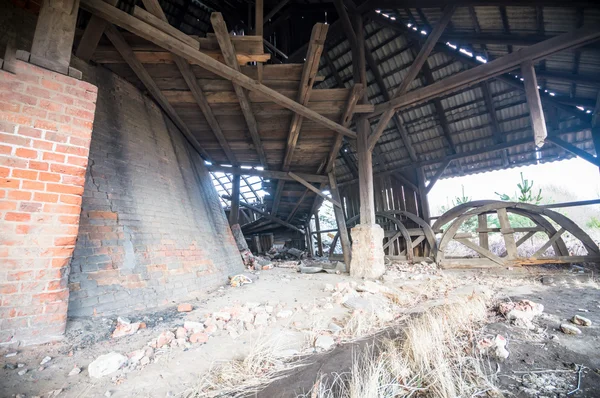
(436, 358)
(238, 378)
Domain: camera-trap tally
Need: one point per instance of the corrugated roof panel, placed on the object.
(489, 19)
(559, 19)
(521, 20)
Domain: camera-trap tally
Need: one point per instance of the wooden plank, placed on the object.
(414, 70)
(574, 150)
(311, 68)
(480, 250)
(235, 201)
(117, 40)
(437, 175)
(54, 34)
(547, 245)
(414, 244)
(150, 33)
(365, 174)
(507, 234)
(340, 219)
(92, 35)
(230, 59)
(521, 240)
(534, 104)
(314, 189)
(492, 69)
(162, 24)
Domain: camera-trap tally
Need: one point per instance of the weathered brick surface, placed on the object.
(152, 230)
(45, 133)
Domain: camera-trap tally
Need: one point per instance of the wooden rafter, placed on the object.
(267, 215)
(534, 103)
(314, 189)
(150, 33)
(443, 166)
(567, 146)
(415, 68)
(491, 109)
(91, 36)
(274, 174)
(491, 69)
(190, 79)
(231, 60)
(121, 45)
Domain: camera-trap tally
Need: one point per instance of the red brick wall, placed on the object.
(45, 131)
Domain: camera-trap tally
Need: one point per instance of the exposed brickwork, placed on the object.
(45, 131)
(152, 229)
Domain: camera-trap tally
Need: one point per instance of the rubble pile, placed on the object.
(521, 313)
(408, 270)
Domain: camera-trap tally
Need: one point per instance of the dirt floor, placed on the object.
(306, 316)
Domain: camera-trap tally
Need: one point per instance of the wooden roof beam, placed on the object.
(496, 131)
(127, 53)
(156, 36)
(567, 146)
(314, 189)
(267, 215)
(267, 174)
(156, 12)
(420, 59)
(92, 35)
(438, 175)
(492, 69)
(231, 60)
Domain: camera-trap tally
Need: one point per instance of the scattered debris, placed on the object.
(184, 307)
(324, 342)
(569, 329)
(45, 360)
(581, 321)
(74, 371)
(521, 313)
(125, 327)
(11, 354)
(239, 280)
(106, 364)
(22, 372)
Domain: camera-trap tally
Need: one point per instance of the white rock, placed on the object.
(569, 329)
(75, 371)
(45, 360)
(261, 319)
(106, 364)
(582, 321)
(329, 287)
(285, 314)
(269, 309)
(334, 327)
(225, 316)
(501, 351)
(251, 304)
(22, 372)
(193, 326)
(107, 394)
(136, 356)
(12, 354)
(324, 342)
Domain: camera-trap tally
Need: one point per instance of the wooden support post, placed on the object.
(54, 35)
(508, 234)
(318, 231)
(235, 201)
(258, 31)
(483, 235)
(341, 221)
(423, 201)
(309, 239)
(596, 127)
(534, 103)
(365, 173)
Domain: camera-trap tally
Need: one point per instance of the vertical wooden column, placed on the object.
(318, 231)
(235, 201)
(534, 103)
(340, 220)
(596, 126)
(508, 233)
(309, 239)
(258, 26)
(54, 34)
(423, 200)
(365, 173)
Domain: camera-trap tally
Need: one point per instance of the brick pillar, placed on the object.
(45, 131)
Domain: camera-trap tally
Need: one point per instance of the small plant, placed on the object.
(469, 225)
(593, 223)
(525, 193)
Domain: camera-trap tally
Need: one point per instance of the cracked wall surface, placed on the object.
(152, 230)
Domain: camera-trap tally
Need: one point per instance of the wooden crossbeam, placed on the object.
(546, 245)
(121, 45)
(269, 174)
(150, 33)
(231, 60)
(91, 36)
(489, 105)
(314, 189)
(492, 69)
(574, 150)
(414, 69)
(160, 19)
(353, 97)
(157, 18)
(480, 250)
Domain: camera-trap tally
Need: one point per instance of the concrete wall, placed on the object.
(45, 132)
(152, 230)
